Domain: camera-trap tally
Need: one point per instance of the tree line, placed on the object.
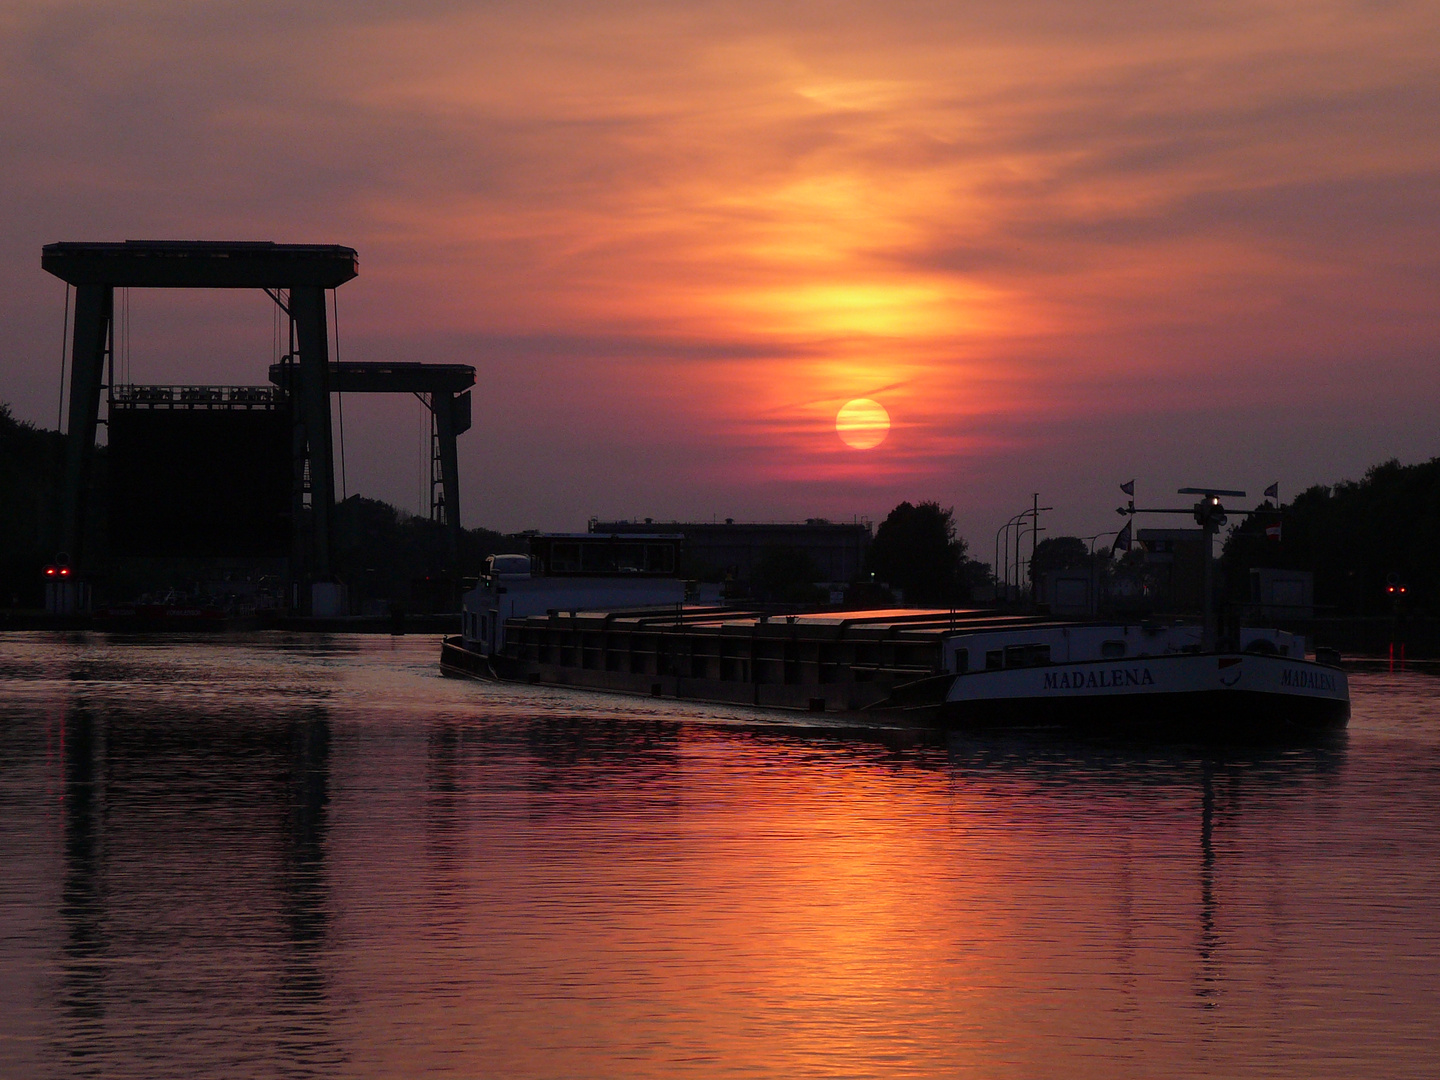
(1373, 544)
(32, 462)
(1358, 537)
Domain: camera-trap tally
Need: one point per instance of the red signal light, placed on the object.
(65, 572)
(1390, 588)
(50, 571)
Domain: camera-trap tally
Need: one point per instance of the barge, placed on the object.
(609, 613)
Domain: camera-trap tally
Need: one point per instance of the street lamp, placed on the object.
(1091, 539)
(1033, 512)
(995, 567)
(1095, 570)
(1020, 531)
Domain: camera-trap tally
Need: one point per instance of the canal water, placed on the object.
(303, 856)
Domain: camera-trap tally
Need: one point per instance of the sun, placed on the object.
(862, 423)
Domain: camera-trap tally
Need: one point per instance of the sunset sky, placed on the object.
(1062, 245)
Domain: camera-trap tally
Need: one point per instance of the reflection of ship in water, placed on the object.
(585, 764)
(1208, 943)
(1148, 874)
(82, 905)
(173, 885)
(1155, 806)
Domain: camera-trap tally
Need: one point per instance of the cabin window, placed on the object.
(962, 661)
(1026, 655)
(565, 559)
(994, 660)
(1112, 650)
(630, 558)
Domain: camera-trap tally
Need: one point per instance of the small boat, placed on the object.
(609, 613)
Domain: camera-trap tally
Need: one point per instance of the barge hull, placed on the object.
(1198, 716)
(1204, 695)
(845, 696)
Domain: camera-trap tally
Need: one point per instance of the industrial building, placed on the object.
(730, 550)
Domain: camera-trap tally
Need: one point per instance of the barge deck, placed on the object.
(819, 662)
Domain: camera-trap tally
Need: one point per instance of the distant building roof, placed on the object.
(732, 548)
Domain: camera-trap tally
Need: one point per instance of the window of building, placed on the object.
(565, 559)
(630, 558)
(660, 558)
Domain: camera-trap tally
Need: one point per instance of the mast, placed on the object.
(1210, 515)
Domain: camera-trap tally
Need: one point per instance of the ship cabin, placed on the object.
(566, 571)
(1040, 644)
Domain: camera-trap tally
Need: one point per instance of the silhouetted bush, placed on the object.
(916, 550)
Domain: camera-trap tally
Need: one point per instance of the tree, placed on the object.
(380, 549)
(31, 468)
(1058, 553)
(916, 550)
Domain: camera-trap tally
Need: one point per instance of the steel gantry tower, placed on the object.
(295, 277)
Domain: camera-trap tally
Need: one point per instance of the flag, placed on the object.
(1273, 491)
(1122, 538)
(1128, 489)
(1272, 532)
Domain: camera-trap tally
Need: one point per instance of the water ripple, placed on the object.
(286, 856)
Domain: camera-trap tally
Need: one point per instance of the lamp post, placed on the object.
(1210, 515)
(1035, 530)
(1095, 570)
(1033, 512)
(1009, 564)
(1020, 531)
(995, 568)
(1034, 537)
